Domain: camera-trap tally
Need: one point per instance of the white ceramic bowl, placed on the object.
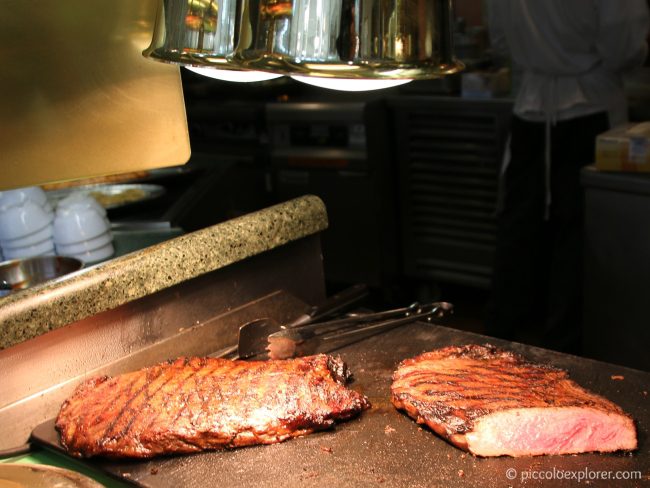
(74, 225)
(47, 206)
(22, 220)
(42, 248)
(21, 195)
(96, 255)
(80, 201)
(30, 240)
(84, 246)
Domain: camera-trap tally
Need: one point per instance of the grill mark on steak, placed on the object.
(128, 391)
(147, 399)
(157, 412)
(191, 368)
(183, 395)
(195, 404)
(110, 431)
(208, 371)
(488, 401)
(100, 412)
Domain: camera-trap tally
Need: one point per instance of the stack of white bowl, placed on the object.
(82, 230)
(25, 223)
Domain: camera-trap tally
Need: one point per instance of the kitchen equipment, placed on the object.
(103, 108)
(78, 223)
(195, 34)
(448, 154)
(202, 314)
(80, 201)
(385, 448)
(34, 238)
(326, 336)
(39, 249)
(24, 273)
(342, 153)
(21, 195)
(616, 271)
(387, 40)
(163, 174)
(98, 242)
(201, 34)
(113, 196)
(82, 229)
(22, 220)
(92, 256)
(252, 338)
(199, 314)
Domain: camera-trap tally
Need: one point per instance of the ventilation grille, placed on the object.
(449, 163)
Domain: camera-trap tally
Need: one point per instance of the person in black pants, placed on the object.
(538, 264)
(571, 56)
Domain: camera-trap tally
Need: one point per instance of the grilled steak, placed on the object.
(492, 402)
(195, 404)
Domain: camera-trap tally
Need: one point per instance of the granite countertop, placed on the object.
(87, 292)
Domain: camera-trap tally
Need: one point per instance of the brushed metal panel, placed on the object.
(78, 99)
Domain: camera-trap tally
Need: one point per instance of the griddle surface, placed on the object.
(385, 448)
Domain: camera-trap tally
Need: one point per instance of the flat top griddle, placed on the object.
(385, 448)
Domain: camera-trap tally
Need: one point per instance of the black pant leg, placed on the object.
(573, 147)
(520, 234)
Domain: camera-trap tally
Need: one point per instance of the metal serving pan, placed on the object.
(112, 196)
(385, 448)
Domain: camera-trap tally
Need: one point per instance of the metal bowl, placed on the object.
(19, 274)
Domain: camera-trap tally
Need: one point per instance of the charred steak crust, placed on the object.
(453, 389)
(194, 404)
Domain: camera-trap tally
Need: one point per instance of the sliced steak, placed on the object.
(196, 404)
(491, 402)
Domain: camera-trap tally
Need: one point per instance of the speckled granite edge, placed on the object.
(105, 286)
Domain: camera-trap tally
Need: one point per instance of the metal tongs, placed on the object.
(307, 339)
(252, 339)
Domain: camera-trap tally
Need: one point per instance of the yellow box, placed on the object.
(624, 148)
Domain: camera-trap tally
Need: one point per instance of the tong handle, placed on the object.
(433, 311)
(350, 319)
(369, 321)
(307, 339)
(332, 305)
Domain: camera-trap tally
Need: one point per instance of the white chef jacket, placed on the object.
(572, 53)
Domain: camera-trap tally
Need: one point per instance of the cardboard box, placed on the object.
(625, 148)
